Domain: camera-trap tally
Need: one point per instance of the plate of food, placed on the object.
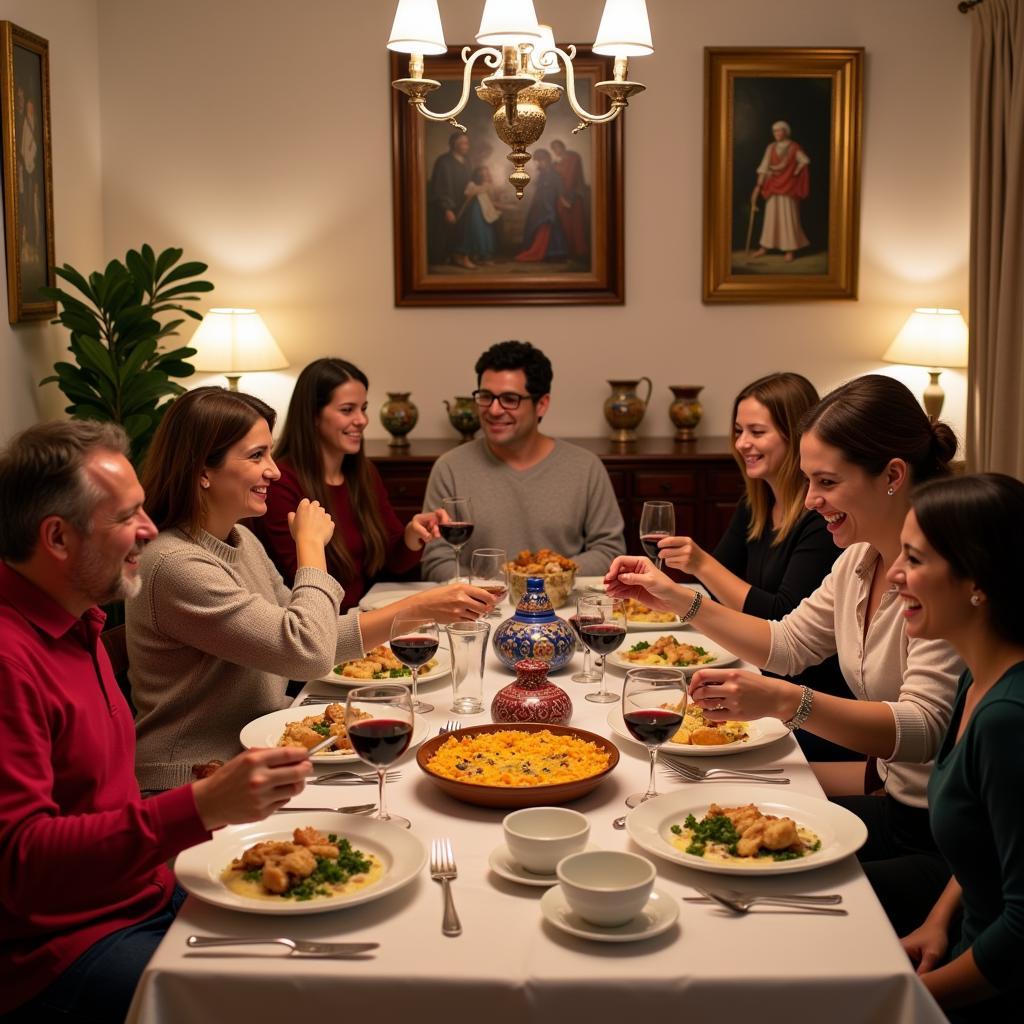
(380, 663)
(328, 862)
(678, 649)
(640, 618)
(699, 737)
(528, 764)
(735, 829)
(305, 727)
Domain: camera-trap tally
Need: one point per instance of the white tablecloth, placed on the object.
(509, 965)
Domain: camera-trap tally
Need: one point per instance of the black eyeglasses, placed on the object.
(507, 399)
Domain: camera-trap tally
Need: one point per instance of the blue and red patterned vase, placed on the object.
(535, 631)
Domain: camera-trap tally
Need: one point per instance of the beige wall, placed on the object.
(29, 350)
(259, 141)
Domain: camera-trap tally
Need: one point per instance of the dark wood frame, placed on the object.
(19, 305)
(416, 286)
(722, 66)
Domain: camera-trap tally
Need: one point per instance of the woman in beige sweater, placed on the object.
(214, 635)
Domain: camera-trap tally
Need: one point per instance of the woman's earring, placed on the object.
(891, 491)
(204, 483)
(976, 599)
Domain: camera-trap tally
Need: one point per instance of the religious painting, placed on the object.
(27, 173)
(782, 131)
(462, 237)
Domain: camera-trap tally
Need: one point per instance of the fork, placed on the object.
(741, 906)
(778, 897)
(443, 870)
(301, 946)
(694, 774)
(450, 726)
(349, 778)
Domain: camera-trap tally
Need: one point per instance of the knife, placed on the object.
(299, 947)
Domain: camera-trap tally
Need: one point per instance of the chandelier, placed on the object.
(520, 52)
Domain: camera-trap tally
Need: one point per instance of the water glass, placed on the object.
(487, 571)
(468, 641)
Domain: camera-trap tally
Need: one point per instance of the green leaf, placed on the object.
(140, 354)
(184, 352)
(84, 411)
(137, 424)
(74, 277)
(176, 368)
(92, 354)
(182, 289)
(165, 260)
(190, 269)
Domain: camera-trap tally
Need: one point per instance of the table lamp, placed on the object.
(233, 342)
(936, 338)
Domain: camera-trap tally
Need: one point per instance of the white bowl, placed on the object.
(606, 887)
(539, 837)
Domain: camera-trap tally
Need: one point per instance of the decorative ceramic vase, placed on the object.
(686, 410)
(624, 408)
(532, 698)
(535, 631)
(399, 416)
(463, 415)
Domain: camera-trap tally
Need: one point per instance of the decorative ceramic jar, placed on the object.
(463, 416)
(532, 698)
(686, 410)
(624, 408)
(399, 416)
(534, 631)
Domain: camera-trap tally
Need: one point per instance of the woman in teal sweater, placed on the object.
(959, 576)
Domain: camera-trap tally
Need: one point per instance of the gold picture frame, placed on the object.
(27, 172)
(782, 138)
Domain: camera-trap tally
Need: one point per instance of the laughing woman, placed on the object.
(957, 583)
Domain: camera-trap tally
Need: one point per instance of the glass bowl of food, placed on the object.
(557, 571)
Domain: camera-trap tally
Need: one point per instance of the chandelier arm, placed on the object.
(570, 94)
(492, 58)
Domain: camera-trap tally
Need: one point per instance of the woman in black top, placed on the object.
(775, 552)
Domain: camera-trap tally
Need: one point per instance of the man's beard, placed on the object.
(92, 577)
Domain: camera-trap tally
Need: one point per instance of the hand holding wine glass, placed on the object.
(602, 628)
(379, 720)
(653, 702)
(414, 642)
(459, 527)
(657, 520)
(487, 571)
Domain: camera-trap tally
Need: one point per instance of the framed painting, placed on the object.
(461, 235)
(782, 130)
(27, 172)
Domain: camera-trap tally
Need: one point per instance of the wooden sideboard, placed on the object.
(699, 477)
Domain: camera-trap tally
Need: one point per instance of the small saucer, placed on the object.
(502, 864)
(658, 915)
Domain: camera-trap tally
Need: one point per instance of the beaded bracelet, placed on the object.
(698, 597)
(803, 709)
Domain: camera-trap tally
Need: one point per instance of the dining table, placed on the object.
(510, 964)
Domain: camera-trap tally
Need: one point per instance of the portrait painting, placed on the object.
(463, 237)
(27, 172)
(781, 173)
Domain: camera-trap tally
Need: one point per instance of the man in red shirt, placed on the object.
(85, 894)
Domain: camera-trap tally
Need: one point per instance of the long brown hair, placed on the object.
(196, 433)
(787, 397)
(300, 445)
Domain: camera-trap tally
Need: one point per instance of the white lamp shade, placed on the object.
(543, 45)
(417, 28)
(507, 22)
(235, 341)
(625, 30)
(931, 337)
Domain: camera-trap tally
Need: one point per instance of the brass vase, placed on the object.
(686, 410)
(624, 408)
(463, 416)
(399, 416)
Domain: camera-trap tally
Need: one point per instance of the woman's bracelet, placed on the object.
(698, 597)
(803, 709)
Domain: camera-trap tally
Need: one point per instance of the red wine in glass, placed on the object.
(456, 534)
(414, 651)
(380, 741)
(602, 637)
(649, 542)
(653, 726)
(496, 590)
(577, 622)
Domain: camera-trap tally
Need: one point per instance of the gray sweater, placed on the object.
(565, 503)
(213, 637)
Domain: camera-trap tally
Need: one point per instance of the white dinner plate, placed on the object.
(658, 915)
(266, 731)
(439, 671)
(841, 832)
(199, 868)
(760, 733)
(684, 636)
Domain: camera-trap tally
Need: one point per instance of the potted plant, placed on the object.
(121, 373)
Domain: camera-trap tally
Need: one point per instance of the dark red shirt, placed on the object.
(81, 853)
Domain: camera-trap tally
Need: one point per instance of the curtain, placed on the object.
(995, 375)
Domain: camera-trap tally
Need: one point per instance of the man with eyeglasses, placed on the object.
(528, 490)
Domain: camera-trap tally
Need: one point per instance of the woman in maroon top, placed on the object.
(320, 456)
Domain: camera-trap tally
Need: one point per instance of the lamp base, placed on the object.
(933, 396)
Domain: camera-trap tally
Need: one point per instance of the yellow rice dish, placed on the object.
(514, 758)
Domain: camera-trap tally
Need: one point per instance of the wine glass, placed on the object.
(657, 520)
(587, 675)
(602, 629)
(487, 571)
(653, 702)
(459, 527)
(379, 722)
(413, 643)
